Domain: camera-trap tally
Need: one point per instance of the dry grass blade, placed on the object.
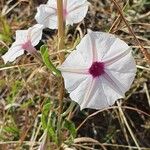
(128, 127)
(88, 140)
(113, 107)
(143, 50)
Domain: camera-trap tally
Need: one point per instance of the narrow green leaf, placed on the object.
(71, 127)
(47, 61)
(11, 129)
(44, 117)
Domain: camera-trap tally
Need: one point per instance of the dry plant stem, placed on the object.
(61, 29)
(113, 107)
(61, 33)
(117, 19)
(127, 125)
(122, 124)
(144, 51)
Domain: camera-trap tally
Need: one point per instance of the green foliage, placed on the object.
(47, 122)
(10, 128)
(5, 33)
(45, 111)
(70, 126)
(47, 61)
(14, 91)
(26, 104)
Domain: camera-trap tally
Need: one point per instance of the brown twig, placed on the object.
(144, 51)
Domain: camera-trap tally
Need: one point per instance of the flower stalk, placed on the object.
(61, 34)
(61, 29)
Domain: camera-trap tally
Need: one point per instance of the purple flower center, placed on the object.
(96, 69)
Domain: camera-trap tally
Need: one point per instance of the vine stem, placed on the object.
(61, 35)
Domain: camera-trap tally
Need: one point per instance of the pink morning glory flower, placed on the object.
(99, 71)
(25, 41)
(74, 11)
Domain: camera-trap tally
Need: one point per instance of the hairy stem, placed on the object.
(61, 34)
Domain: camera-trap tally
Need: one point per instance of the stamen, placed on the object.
(96, 69)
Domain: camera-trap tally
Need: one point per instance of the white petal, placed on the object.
(87, 49)
(122, 80)
(21, 36)
(81, 90)
(52, 3)
(125, 64)
(103, 42)
(35, 34)
(75, 61)
(47, 16)
(123, 71)
(72, 80)
(90, 94)
(117, 47)
(98, 99)
(77, 10)
(81, 58)
(14, 52)
(111, 91)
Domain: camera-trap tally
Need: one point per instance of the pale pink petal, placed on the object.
(103, 42)
(47, 16)
(72, 80)
(52, 3)
(120, 80)
(125, 64)
(98, 99)
(115, 83)
(75, 61)
(117, 47)
(21, 36)
(87, 48)
(74, 70)
(90, 94)
(75, 3)
(77, 10)
(117, 57)
(111, 91)
(81, 90)
(13, 52)
(35, 34)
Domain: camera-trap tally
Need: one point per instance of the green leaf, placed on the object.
(52, 133)
(47, 61)
(12, 129)
(47, 123)
(5, 31)
(71, 127)
(44, 117)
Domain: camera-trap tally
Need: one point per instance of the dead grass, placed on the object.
(26, 86)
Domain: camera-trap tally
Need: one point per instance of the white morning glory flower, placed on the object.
(99, 71)
(73, 12)
(25, 40)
